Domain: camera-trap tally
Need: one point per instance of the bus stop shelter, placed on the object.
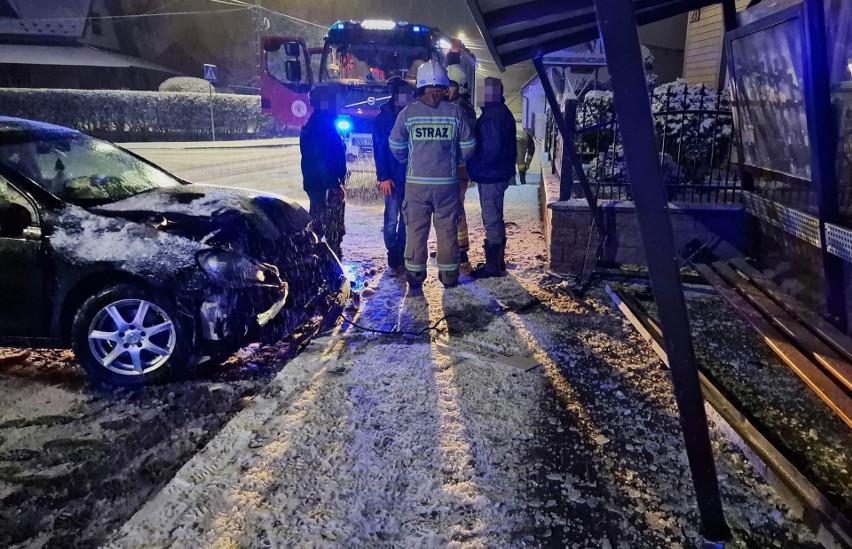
(518, 32)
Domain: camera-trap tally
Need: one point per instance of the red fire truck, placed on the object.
(356, 60)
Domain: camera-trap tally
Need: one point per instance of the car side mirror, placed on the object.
(292, 49)
(14, 218)
(293, 70)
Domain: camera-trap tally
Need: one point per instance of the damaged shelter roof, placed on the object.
(519, 31)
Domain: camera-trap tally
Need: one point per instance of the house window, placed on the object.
(95, 18)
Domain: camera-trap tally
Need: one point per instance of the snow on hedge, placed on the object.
(126, 116)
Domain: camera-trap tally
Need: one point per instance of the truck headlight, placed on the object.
(236, 270)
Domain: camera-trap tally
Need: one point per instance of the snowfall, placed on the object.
(525, 418)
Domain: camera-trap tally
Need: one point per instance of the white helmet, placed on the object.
(431, 73)
(457, 75)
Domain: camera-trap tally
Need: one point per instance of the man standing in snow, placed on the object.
(324, 169)
(433, 137)
(493, 169)
(459, 93)
(390, 172)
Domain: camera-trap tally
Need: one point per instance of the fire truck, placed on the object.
(356, 60)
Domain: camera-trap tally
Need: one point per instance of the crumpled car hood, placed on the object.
(198, 211)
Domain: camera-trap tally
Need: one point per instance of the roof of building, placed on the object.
(87, 56)
(519, 31)
(51, 18)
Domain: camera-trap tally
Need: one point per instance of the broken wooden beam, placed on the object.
(824, 386)
(841, 342)
(816, 348)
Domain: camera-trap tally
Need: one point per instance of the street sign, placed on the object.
(210, 73)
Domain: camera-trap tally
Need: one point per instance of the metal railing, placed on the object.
(695, 139)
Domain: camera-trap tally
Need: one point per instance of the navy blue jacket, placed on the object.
(387, 166)
(494, 159)
(323, 153)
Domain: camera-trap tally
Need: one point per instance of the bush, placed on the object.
(188, 84)
(125, 116)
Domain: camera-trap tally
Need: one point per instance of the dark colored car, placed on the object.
(143, 274)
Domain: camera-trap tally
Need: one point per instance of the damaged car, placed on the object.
(143, 274)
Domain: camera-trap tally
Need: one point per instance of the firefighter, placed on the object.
(493, 169)
(459, 93)
(324, 168)
(433, 137)
(390, 172)
(525, 152)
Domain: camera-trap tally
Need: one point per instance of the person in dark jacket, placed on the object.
(390, 172)
(492, 167)
(324, 169)
(526, 150)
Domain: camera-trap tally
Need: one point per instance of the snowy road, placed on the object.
(265, 165)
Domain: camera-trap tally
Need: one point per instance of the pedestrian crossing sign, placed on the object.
(210, 73)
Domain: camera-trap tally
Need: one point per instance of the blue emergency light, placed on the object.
(343, 125)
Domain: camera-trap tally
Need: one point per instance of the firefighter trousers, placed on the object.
(423, 206)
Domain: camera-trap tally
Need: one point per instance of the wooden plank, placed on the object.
(841, 342)
(706, 54)
(816, 348)
(655, 340)
(825, 388)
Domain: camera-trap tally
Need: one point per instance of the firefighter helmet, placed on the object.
(457, 75)
(432, 75)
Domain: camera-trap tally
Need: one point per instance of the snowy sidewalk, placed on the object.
(428, 442)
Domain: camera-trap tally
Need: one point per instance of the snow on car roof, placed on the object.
(17, 126)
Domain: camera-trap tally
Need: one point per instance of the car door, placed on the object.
(22, 311)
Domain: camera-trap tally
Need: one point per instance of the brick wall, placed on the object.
(571, 222)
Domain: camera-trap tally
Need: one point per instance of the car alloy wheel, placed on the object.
(132, 337)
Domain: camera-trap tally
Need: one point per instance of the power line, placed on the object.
(247, 5)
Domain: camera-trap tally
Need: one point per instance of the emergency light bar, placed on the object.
(377, 24)
(343, 124)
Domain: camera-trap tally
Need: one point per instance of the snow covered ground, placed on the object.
(433, 440)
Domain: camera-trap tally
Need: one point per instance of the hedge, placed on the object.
(125, 116)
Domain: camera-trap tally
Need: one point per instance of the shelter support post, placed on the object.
(822, 134)
(618, 27)
(569, 149)
(729, 17)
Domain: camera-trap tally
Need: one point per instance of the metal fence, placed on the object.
(695, 140)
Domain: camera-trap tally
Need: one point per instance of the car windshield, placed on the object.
(82, 170)
(372, 61)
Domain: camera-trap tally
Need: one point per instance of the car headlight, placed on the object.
(236, 270)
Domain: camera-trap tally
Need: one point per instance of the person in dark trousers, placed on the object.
(324, 169)
(526, 150)
(492, 167)
(459, 94)
(390, 172)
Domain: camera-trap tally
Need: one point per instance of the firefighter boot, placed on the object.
(415, 282)
(491, 267)
(450, 279)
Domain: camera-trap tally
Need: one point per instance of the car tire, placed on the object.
(114, 347)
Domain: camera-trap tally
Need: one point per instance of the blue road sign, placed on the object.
(210, 73)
